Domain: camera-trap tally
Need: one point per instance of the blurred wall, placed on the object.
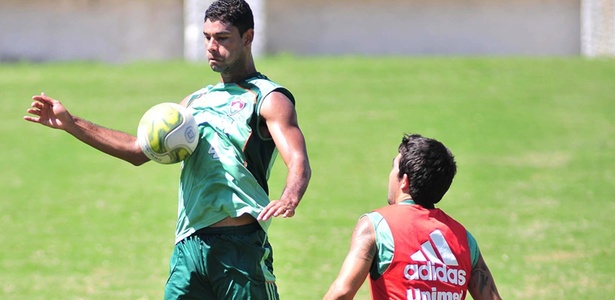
(129, 30)
(424, 27)
(109, 30)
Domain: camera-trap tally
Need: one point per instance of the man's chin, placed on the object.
(215, 67)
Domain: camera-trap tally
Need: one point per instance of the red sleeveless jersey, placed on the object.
(431, 257)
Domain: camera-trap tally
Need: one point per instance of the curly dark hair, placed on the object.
(430, 167)
(236, 12)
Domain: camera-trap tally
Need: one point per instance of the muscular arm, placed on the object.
(51, 113)
(482, 286)
(357, 263)
(281, 119)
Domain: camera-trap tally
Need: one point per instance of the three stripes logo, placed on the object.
(435, 261)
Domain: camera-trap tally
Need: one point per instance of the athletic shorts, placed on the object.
(223, 263)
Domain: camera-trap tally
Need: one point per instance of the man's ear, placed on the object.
(248, 37)
(404, 185)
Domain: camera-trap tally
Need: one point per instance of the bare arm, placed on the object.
(281, 119)
(482, 286)
(357, 263)
(51, 113)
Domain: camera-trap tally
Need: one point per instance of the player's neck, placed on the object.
(246, 71)
(234, 78)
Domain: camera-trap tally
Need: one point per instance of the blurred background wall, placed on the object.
(128, 30)
(103, 30)
(425, 27)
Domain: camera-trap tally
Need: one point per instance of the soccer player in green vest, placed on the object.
(410, 249)
(221, 245)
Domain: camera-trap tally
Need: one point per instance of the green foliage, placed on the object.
(533, 138)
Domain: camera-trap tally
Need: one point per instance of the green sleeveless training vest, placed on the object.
(227, 174)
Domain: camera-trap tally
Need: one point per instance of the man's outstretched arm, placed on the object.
(49, 112)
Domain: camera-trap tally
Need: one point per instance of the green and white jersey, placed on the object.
(227, 174)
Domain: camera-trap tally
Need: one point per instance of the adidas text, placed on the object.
(416, 294)
(431, 272)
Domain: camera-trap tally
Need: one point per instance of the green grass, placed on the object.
(534, 140)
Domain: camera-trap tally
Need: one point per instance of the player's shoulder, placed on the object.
(268, 88)
(365, 228)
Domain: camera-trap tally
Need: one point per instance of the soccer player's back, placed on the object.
(410, 249)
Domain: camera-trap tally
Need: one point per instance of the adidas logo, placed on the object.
(435, 264)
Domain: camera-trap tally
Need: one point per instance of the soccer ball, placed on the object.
(167, 133)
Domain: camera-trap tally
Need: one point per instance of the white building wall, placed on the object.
(128, 30)
(598, 27)
(424, 27)
(109, 30)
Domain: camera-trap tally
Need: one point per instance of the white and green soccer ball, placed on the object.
(167, 133)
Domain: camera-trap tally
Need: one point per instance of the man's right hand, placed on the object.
(48, 112)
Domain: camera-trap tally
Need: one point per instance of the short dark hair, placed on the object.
(430, 167)
(235, 12)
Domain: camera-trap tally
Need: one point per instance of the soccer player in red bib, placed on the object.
(410, 249)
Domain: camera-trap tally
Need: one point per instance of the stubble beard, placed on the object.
(226, 67)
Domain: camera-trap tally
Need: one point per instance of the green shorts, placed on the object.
(223, 263)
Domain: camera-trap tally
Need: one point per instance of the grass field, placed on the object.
(534, 140)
